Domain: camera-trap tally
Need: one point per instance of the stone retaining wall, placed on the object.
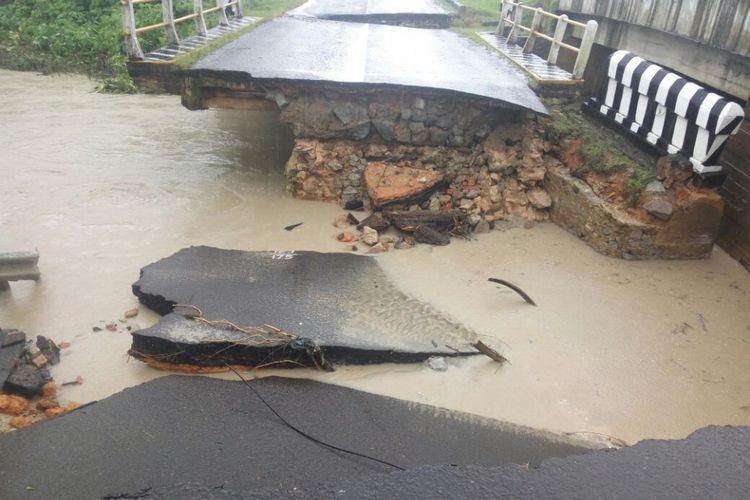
(689, 232)
(391, 117)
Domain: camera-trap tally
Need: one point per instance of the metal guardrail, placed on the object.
(511, 14)
(15, 266)
(169, 22)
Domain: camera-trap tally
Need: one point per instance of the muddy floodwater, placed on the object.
(103, 185)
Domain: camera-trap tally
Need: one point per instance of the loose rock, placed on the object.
(49, 389)
(131, 313)
(539, 198)
(369, 236)
(659, 208)
(482, 227)
(352, 220)
(388, 183)
(426, 234)
(27, 380)
(437, 363)
(342, 221)
(346, 237)
(405, 243)
(13, 405)
(378, 248)
(377, 221)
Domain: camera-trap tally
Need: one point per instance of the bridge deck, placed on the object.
(327, 8)
(315, 50)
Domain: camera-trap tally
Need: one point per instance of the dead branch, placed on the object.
(513, 287)
(489, 352)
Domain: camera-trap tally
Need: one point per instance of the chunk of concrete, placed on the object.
(296, 309)
(11, 348)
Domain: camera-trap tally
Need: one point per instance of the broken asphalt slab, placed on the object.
(415, 13)
(294, 49)
(341, 303)
(713, 462)
(12, 344)
(220, 435)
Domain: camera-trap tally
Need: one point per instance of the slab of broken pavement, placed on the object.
(196, 437)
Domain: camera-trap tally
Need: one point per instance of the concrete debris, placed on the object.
(376, 221)
(405, 243)
(12, 405)
(437, 363)
(427, 234)
(11, 347)
(27, 380)
(369, 236)
(248, 308)
(346, 237)
(378, 248)
(29, 372)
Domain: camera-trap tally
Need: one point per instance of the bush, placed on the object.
(81, 36)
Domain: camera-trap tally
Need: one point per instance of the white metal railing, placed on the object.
(511, 14)
(169, 22)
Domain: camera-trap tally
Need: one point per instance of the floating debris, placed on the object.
(515, 288)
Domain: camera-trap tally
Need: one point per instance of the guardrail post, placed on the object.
(132, 47)
(501, 25)
(554, 50)
(513, 33)
(536, 23)
(200, 21)
(167, 13)
(222, 4)
(587, 42)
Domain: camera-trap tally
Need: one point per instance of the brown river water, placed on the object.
(103, 185)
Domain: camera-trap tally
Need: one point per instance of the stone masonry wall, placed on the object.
(391, 117)
(495, 180)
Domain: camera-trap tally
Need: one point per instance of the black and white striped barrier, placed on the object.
(674, 114)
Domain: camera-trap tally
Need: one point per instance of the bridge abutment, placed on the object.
(395, 148)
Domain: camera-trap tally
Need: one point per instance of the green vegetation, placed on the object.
(85, 36)
(81, 36)
(478, 14)
(601, 151)
(270, 8)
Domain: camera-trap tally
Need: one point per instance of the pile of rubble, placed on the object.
(28, 392)
(409, 228)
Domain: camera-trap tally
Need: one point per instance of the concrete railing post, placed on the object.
(536, 25)
(132, 47)
(513, 34)
(167, 12)
(222, 4)
(200, 20)
(238, 10)
(554, 50)
(584, 51)
(501, 25)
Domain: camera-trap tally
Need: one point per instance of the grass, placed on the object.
(85, 36)
(602, 151)
(270, 8)
(477, 14)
